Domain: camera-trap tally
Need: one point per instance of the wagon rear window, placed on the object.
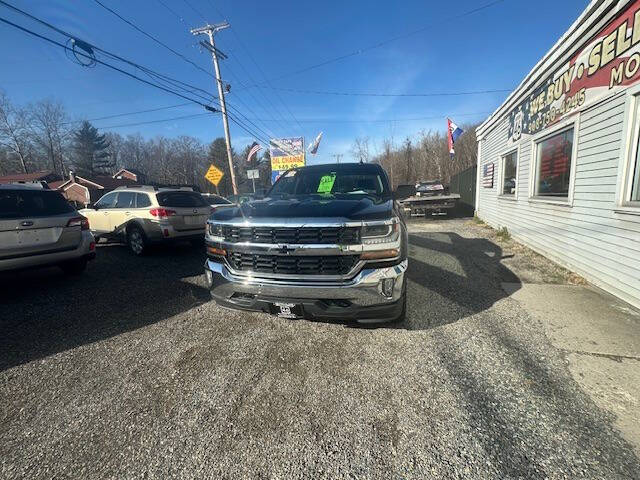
(28, 203)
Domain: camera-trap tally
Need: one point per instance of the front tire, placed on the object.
(136, 241)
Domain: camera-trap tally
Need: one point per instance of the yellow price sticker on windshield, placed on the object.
(326, 183)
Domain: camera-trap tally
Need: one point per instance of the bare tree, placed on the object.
(115, 149)
(49, 131)
(426, 157)
(360, 149)
(14, 131)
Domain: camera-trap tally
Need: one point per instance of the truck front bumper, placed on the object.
(373, 295)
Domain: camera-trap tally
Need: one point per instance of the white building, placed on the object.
(558, 161)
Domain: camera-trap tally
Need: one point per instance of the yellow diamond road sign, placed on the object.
(214, 175)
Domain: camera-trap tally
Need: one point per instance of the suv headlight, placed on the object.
(381, 233)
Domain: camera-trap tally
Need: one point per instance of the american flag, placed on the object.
(255, 149)
(487, 175)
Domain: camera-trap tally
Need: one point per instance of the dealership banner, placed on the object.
(286, 153)
(609, 62)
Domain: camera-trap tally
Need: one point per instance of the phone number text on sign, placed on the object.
(285, 163)
(544, 119)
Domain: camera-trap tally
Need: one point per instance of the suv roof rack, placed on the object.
(39, 184)
(158, 187)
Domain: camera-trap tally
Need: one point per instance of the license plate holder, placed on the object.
(287, 310)
(195, 219)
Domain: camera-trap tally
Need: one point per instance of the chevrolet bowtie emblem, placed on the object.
(286, 250)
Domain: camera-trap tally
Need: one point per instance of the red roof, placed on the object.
(27, 177)
(55, 185)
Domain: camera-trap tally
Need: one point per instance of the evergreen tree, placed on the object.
(90, 149)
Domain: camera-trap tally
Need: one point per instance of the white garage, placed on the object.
(558, 161)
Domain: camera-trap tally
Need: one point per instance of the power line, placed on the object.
(155, 121)
(367, 94)
(233, 74)
(255, 99)
(246, 49)
(148, 35)
(265, 77)
(195, 10)
(128, 22)
(390, 120)
(383, 42)
(91, 56)
(130, 113)
(42, 37)
(159, 77)
(132, 25)
(161, 2)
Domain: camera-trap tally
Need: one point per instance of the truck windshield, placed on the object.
(331, 182)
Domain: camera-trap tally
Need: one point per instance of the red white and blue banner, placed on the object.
(255, 149)
(487, 175)
(453, 132)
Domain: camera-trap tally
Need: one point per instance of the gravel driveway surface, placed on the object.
(129, 371)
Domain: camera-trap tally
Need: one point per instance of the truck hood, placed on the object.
(360, 209)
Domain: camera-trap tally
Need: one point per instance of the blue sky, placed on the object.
(490, 49)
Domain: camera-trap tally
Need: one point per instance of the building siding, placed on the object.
(589, 236)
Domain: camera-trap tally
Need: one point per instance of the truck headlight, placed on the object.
(215, 230)
(381, 233)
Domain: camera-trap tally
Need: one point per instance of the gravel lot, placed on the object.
(129, 371)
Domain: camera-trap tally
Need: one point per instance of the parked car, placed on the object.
(245, 197)
(328, 242)
(432, 197)
(216, 201)
(430, 188)
(38, 227)
(141, 215)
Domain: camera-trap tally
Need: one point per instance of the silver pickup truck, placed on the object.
(328, 242)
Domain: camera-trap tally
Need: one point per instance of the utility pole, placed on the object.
(210, 30)
(337, 156)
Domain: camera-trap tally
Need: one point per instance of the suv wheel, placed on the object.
(136, 240)
(75, 267)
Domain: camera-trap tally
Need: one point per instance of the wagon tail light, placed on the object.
(81, 222)
(162, 212)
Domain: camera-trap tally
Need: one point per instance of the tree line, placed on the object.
(41, 136)
(422, 157)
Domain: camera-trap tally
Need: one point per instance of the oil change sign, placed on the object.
(609, 62)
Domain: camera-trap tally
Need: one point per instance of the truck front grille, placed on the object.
(293, 265)
(299, 235)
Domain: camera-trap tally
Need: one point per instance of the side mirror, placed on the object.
(404, 191)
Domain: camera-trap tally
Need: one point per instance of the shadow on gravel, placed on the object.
(43, 312)
(452, 277)
(534, 422)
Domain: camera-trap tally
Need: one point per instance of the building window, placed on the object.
(553, 165)
(635, 179)
(633, 169)
(509, 171)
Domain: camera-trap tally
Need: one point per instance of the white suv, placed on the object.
(141, 215)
